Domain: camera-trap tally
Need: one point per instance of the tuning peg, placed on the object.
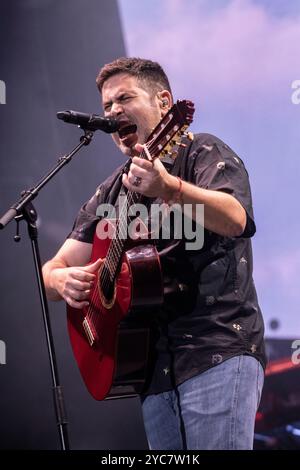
(172, 154)
(189, 135)
(180, 144)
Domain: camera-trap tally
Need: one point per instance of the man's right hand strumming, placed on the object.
(68, 275)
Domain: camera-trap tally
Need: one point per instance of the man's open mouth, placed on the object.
(126, 130)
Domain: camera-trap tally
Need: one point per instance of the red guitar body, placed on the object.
(93, 331)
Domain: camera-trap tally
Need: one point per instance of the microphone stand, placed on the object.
(23, 209)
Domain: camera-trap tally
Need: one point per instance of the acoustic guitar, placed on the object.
(109, 338)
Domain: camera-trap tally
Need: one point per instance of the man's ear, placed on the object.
(165, 100)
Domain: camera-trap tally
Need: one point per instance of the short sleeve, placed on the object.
(85, 223)
(217, 167)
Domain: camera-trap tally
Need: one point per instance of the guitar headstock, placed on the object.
(169, 131)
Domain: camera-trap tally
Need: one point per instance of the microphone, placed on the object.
(90, 122)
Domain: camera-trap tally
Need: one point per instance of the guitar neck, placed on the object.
(162, 139)
(118, 243)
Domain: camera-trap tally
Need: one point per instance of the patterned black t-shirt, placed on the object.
(210, 311)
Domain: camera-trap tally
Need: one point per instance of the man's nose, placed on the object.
(116, 109)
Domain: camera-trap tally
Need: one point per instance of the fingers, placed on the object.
(73, 303)
(77, 293)
(79, 285)
(141, 163)
(76, 298)
(81, 275)
(91, 268)
(86, 273)
(128, 181)
(136, 170)
(141, 169)
(139, 148)
(134, 175)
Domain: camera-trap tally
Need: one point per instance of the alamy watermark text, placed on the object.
(162, 221)
(2, 92)
(2, 352)
(296, 93)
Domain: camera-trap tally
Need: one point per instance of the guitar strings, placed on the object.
(110, 264)
(107, 274)
(116, 246)
(114, 252)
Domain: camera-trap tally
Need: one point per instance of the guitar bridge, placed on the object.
(90, 331)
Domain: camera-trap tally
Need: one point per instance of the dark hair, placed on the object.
(149, 74)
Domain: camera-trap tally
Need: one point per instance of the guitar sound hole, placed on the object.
(108, 292)
(106, 286)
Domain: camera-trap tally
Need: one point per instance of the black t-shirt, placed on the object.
(210, 311)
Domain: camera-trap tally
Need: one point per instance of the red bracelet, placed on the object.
(180, 187)
(178, 194)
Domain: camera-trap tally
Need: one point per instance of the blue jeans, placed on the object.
(213, 410)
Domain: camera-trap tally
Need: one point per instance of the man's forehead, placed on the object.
(120, 80)
(120, 83)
